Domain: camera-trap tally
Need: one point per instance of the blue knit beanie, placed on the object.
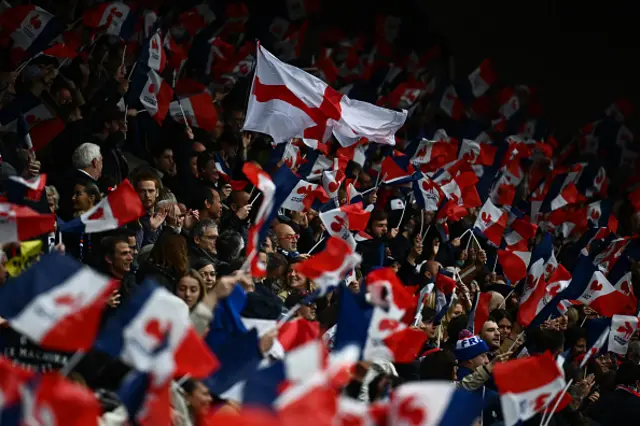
(469, 348)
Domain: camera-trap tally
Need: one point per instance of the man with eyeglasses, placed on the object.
(288, 242)
(205, 236)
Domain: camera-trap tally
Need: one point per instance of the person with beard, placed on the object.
(490, 333)
(148, 186)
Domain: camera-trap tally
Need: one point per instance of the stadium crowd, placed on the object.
(486, 245)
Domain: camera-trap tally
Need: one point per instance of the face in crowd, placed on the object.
(148, 193)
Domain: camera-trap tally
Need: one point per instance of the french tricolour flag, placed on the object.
(20, 223)
(52, 399)
(477, 152)
(31, 28)
(153, 54)
(341, 221)
(298, 366)
(119, 208)
(57, 303)
(539, 293)
(527, 386)
(155, 95)
(239, 358)
(19, 188)
(491, 222)
(154, 327)
(198, 109)
(327, 268)
(514, 264)
(435, 153)
(31, 108)
(115, 18)
(445, 287)
(602, 297)
(145, 399)
(297, 199)
(377, 332)
(434, 404)
(429, 194)
(258, 231)
(388, 292)
(12, 380)
(479, 313)
(482, 78)
(598, 345)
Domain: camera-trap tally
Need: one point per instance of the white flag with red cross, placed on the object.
(287, 103)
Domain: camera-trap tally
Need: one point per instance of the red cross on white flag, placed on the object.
(288, 103)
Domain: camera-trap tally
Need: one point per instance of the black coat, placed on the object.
(617, 408)
(161, 275)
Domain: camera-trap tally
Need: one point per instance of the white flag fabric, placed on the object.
(286, 103)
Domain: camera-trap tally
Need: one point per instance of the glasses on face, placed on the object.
(292, 237)
(210, 237)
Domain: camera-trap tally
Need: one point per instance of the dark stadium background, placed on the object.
(581, 55)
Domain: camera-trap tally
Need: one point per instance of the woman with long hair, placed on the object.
(191, 288)
(168, 261)
(295, 283)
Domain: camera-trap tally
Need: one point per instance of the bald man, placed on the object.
(288, 242)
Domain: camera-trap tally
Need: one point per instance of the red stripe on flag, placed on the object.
(481, 313)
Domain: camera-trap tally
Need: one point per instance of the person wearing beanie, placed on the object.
(471, 352)
(475, 371)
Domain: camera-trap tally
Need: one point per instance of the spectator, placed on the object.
(504, 321)
(207, 202)
(87, 168)
(203, 245)
(150, 225)
(294, 283)
(167, 262)
(118, 258)
(191, 288)
(306, 311)
(287, 241)
(207, 271)
(81, 245)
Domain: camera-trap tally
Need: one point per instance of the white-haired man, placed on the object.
(87, 167)
(87, 160)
